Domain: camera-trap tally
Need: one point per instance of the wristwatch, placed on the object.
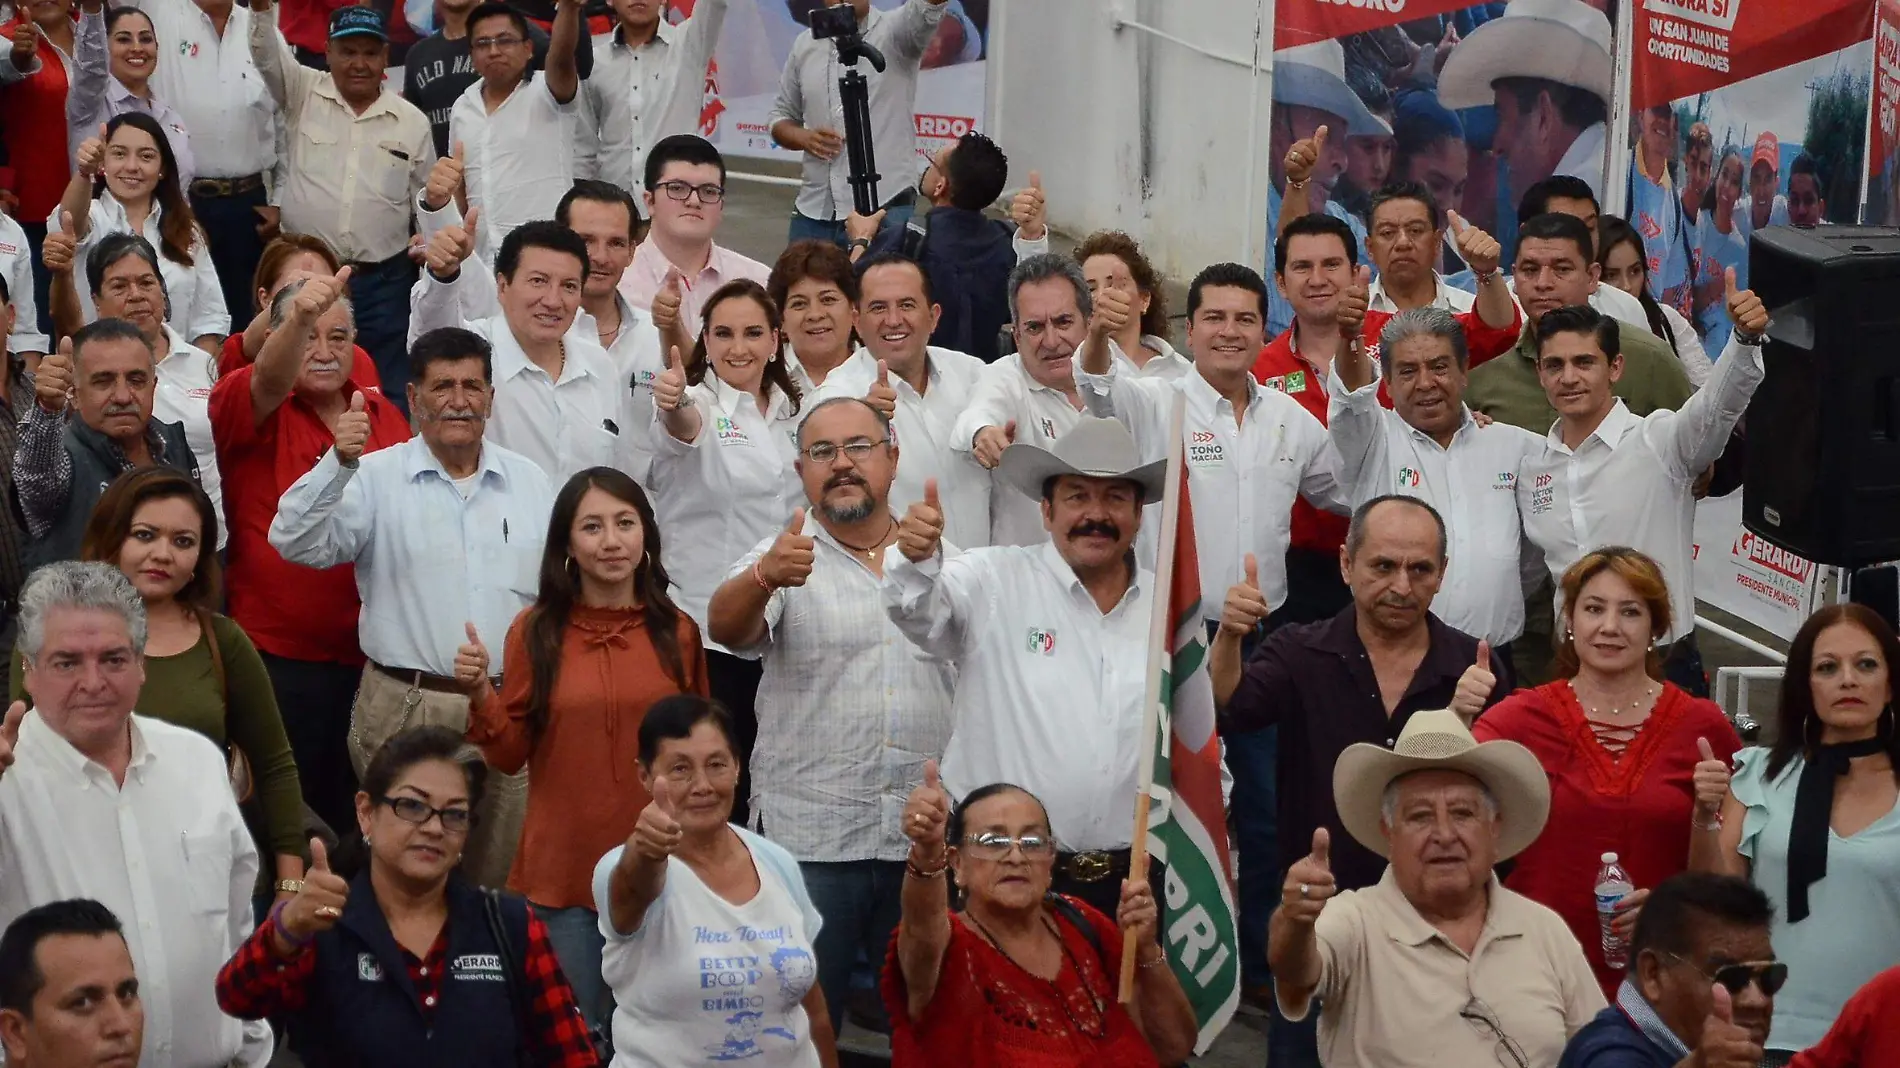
(860, 242)
(288, 886)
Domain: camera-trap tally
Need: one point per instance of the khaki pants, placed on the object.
(385, 707)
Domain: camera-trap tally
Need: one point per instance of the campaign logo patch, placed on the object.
(1042, 641)
(728, 432)
(480, 967)
(368, 968)
(1507, 480)
(1541, 500)
(1542, 481)
(1204, 449)
(1293, 383)
(1410, 477)
(1048, 428)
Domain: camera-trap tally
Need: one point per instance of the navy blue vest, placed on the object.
(363, 1011)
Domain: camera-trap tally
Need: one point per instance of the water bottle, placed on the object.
(1613, 884)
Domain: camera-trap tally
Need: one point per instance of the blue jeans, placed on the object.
(1293, 1043)
(860, 902)
(379, 293)
(805, 228)
(575, 935)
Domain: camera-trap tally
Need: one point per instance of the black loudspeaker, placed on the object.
(1823, 465)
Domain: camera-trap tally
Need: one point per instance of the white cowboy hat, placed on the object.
(1314, 76)
(1562, 41)
(1439, 740)
(1093, 448)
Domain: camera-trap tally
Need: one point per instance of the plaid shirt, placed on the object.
(256, 983)
(19, 393)
(43, 469)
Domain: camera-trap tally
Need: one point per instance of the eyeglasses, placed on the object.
(992, 846)
(1485, 1022)
(708, 193)
(858, 450)
(411, 810)
(487, 44)
(1769, 975)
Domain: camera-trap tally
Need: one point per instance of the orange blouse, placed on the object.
(584, 793)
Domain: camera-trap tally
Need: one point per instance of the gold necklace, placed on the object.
(870, 553)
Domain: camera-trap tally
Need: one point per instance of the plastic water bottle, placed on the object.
(1613, 884)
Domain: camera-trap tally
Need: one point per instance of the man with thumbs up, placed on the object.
(848, 710)
(134, 812)
(1701, 986)
(1407, 228)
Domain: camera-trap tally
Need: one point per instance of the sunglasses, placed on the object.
(1769, 975)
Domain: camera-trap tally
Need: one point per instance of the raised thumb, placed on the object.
(1458, 222)
(1703, 747)
(673, 361)
(357, 402)
(1251, 568)
(471, 223)
(1728, 279)
(1362, 277)
(343, 276)
(663, 794)
(931, 778)
(1319, 138)
(883, 373)
(1035, 179)
(1322, 845)
(1723, 1006)
(930, 494)
(319, 856)
(65, 221)
(66, 346)
(1484, 654)
(473, 638)
(798, 521)
(1009, 430)
(455, 151)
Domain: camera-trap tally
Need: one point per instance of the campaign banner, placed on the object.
(1747, 576)
(1685, 47)
(1304, 21)
(742, 83)
(1883, 157)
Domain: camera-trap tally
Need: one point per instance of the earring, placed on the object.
(366, 840)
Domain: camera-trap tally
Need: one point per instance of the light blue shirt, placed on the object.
(1279, 309)
(427, 560)
(1853, 927)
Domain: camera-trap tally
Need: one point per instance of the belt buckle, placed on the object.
(1090, 867)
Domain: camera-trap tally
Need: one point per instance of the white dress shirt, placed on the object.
(718, 495)
(167, 852)
(1243, 473)
(1049, 688)
(808, 95)
(849, 710)
(580, 421)
(1004, 392)
(924, 428)
(351, 177)
(636, 96)
(236, 130)
(427, 560)
(637, 361)
(518, 161)
(186, 374)
(1631, 481)
(95, 97)
(1165, 363)
(1472, 484)
(197, 300)
(16, 264)
(1443, 296)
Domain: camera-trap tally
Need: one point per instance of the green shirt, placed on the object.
(1507, 390)
(183, 690)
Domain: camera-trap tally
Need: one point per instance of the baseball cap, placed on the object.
(1767, 150)
(356, 21)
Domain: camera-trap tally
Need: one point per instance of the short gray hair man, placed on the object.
(1041, 268)
(1422, 322)
(75, 585)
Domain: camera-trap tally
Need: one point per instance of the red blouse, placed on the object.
(989, 1013)
(1637, 805)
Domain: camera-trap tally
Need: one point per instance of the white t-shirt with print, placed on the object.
(703, 981)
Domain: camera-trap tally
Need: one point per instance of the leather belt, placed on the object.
(1093, 865)
(422, 680)
(212, 188)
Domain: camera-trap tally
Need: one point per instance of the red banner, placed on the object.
(1886, 82)
(1685, 47)
(1298, 22)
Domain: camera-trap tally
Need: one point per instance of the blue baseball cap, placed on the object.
(355, 21)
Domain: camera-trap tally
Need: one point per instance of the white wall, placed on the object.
(1134, 131)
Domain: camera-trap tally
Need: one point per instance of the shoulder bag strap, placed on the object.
(510, 970)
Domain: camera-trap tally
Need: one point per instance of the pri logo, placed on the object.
(1409, 478)
(1042, 641)
(368, 968)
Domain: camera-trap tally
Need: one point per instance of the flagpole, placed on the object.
(1159, 627)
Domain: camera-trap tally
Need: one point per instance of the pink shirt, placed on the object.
(647, 273)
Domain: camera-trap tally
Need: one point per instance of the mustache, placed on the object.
(1095, 526)
(447, 414)
(846, 479)
(121, 409)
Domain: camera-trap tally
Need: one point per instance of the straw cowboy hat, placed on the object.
(1439, 740)
(1093, 448)
(1314, 76)
(1562, 41)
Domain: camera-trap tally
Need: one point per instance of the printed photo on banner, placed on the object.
(743, 81)
(1883, 159)
(1476, 102)
(1743, 114)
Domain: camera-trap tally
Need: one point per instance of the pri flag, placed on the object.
(1187, 825)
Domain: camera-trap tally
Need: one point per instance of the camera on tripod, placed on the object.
(838, 23)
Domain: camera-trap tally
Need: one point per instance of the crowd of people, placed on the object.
(541, 633)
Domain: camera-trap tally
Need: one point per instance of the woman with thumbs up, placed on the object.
(483, 987)
(1620, 745)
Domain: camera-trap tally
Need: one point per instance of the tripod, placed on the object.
(839, 25)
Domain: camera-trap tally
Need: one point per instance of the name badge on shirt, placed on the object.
(1205, 449)
(1543, 495)
(1042, 641)
(1507, 480)
(480, 967)
(727, 432)
(368, 968)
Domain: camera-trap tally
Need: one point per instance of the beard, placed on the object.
(856, 512)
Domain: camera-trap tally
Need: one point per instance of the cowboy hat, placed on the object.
(1093, 448)
(1562, 41)
(1439, 740)
(1314, 76)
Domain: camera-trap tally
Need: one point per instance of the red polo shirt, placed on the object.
(232, 356)
(1482, 343)
(35, 130)
(288, 610)
(1281, 368)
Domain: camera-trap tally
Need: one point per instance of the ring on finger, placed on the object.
(1303, 890)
